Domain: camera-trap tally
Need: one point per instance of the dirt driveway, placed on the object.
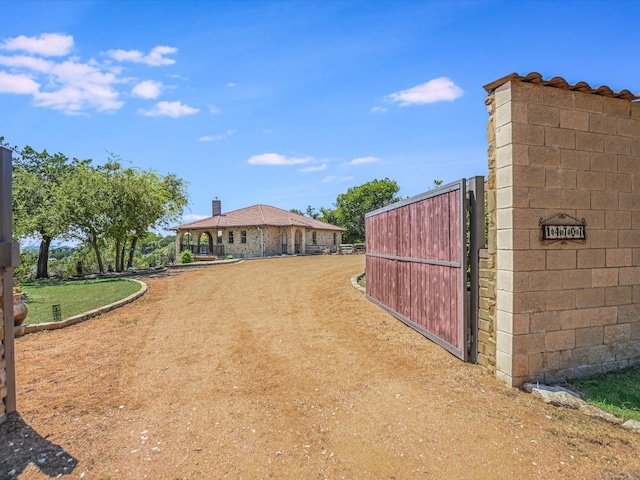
(280, 369)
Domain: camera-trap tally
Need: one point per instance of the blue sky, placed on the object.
(290, 103)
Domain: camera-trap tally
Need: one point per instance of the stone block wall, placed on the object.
(487, 312)
(323, 238)
(564, 310)
(272, 238)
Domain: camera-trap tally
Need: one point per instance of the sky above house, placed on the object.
(290, 103)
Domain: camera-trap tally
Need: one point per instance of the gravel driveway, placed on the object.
(279, 368)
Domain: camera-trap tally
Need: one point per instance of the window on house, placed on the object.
(230, 236)
(335, 239)
(243, 236)
(314, 238)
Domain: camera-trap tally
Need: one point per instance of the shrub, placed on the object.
(186, 257)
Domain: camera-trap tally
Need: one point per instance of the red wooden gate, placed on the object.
(417, 262)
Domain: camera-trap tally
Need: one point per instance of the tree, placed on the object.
(120, 205)
(160, 201)
(352, 206)
(37, 190)
(86, 200)
(312, 212)
(328, 215)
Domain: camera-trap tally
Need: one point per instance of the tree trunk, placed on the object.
(43, 257)
(118, 256)
(122, 256)
(134, 242)
(94, 242)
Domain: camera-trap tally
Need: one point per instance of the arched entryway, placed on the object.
(205, 244)
(187, 242)
(284, 242)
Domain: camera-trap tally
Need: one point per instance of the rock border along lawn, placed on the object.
(39, 327)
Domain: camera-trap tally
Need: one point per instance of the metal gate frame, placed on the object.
(473, 204)
(9, 258)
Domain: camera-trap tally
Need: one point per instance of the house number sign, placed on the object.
(563, 228)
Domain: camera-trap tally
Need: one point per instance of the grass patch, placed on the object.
(617, 393)
(73, 297)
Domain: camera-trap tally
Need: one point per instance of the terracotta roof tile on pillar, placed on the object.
(559, 82)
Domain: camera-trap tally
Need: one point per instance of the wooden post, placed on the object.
(9, 258)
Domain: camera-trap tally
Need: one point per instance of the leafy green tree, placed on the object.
(143, 200)
(312, 212)
(87, 200)
(118, 206)
(295, 210)
(352, 206)
(327, 215)
(38, 183)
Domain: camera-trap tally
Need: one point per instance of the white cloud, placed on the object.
(39, 65)
(216, 138)
(378, 109)
(436, 90)
(231, 84)
(47, 44)
(69, 86)
(213, 109)
(276, 159)
(72, 85)
(362, 160)
(318, 168)
(147, 89)
(155, 58)
(169, 109)
(335, 179)
(19, 83)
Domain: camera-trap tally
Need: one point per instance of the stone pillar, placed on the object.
(568, 309)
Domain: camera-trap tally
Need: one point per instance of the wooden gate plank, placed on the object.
(415, 266)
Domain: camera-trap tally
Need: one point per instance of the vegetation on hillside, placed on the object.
(109, 209)
(351, 207)
(153, 250)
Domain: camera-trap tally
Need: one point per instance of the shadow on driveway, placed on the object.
(21, 445)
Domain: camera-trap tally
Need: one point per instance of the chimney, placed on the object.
(216, 207)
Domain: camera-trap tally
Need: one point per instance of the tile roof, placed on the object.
(257, 216)
(559, 82)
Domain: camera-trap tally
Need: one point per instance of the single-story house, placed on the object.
(256, 231)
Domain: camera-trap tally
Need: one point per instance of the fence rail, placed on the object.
(352, 248)
(205, 250)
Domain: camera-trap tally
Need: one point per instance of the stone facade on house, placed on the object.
(256, 231)
(562, 309)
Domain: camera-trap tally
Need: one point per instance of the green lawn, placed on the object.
(73, 297)
(617, 393)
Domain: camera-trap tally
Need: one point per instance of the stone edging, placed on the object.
(563, 397)
(202, 263)
(356, 285)
(38, 327)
